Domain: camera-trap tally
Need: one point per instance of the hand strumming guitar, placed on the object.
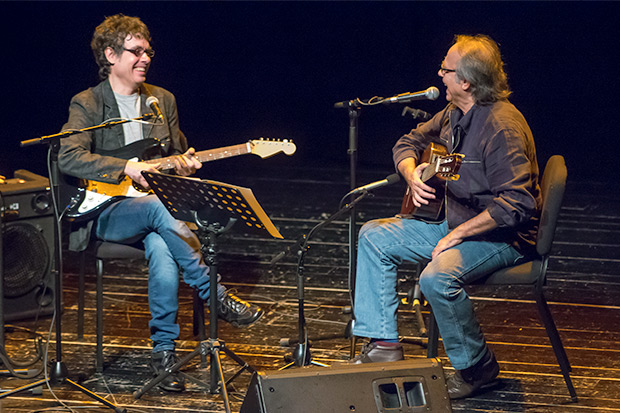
(421, 192)
(134, 170)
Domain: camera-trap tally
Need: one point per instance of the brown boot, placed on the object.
(465, 383)
(376, 352)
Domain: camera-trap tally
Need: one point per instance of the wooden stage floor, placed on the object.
(583, 290)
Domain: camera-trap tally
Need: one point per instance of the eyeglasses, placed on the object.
(443, 70)
(139, 51)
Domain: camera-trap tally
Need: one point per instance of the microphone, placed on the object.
(344, 104)
(416, 113)
(392, 179)
(153, 103)
(431, 93)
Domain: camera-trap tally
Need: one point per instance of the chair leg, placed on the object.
(556, 342)
(99, 293)
(352, 346)
(80, 314)
(198, 317)
(199, 324)
(433, 336)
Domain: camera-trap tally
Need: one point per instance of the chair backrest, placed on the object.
(552, 188)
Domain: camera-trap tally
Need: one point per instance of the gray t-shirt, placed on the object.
(129, 107)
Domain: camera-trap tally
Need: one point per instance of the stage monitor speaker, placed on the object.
(27, 246)
(408, 386)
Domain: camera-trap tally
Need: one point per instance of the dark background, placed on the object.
(274, 69)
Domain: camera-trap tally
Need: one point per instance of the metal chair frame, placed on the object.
(104, 251)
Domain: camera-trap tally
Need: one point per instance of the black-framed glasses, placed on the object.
(139, 51)
(443, 70)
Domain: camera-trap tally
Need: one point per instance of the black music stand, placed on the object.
(214, 207)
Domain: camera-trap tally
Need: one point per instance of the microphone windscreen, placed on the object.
(392, 179)
(151, 99)
(432, 93)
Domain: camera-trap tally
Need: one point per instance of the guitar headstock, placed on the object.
(269, 147)
(448, 166)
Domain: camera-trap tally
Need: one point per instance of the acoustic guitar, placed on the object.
(442, 167)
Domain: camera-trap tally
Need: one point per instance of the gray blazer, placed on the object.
(79, 155)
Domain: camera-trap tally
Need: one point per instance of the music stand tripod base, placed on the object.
(214, 207)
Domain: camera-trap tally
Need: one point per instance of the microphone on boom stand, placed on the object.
(431, 93)
(301, 353)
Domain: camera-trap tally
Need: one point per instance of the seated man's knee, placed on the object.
(438, 283)
(154, 205)
(433, 282)
(368, 228)
(375, 229)
(428, 283)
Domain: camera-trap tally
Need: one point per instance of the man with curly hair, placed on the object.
(491, 216)
(121, 45)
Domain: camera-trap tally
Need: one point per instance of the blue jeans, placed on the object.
(385, 243)
(169, 245)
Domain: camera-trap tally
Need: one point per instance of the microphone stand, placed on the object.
(354, 108)
(301, 353)
(49, 139)
(59, 372)
(354, 114)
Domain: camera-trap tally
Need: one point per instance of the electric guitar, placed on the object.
(442, 167)
(86, 199)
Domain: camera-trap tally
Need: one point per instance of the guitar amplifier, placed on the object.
(27, 246)
(408, 386)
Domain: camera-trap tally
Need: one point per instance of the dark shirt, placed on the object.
(499, 172)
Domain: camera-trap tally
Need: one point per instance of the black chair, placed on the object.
(534, 273)
(104, 251)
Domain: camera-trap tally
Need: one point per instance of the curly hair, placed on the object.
(112, 32)
(482, 66)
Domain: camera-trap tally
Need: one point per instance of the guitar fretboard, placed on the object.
(208, 155)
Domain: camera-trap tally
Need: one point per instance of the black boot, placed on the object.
(238, 312)
(162, 360)
(465, 383)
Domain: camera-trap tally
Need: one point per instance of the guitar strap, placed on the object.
(456, 138)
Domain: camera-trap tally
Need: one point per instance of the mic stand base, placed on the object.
(58, 375)
(212, 348)
(207, 234)
(298, 358)
(58, 370)
(301, 355)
